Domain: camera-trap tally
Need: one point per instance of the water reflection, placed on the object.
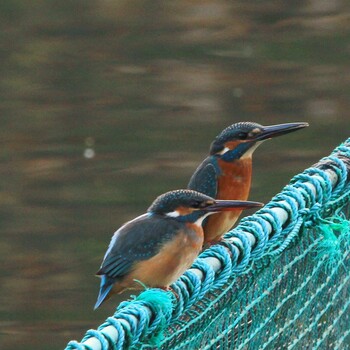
(104, 105)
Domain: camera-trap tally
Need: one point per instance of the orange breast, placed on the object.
(168, 265)
(235, 179)
(233, 183)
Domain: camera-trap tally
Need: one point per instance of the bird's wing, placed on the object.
(204, 179)
(137, 240)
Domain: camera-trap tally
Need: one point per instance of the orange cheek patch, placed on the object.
(184, 210)
(232, 144)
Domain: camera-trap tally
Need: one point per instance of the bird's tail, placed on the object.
(105, 287)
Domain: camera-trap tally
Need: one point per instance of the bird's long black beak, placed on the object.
(228, 205)
(278, 130)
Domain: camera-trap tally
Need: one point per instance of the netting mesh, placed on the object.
(298, 300)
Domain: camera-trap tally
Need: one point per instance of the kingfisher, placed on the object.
(226, 173)
(156, 248)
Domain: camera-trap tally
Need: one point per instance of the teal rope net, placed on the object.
(280, 280)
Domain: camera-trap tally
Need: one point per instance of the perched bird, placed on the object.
(226, 173)
(157, 247)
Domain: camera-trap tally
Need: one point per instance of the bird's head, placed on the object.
(239, 140)
(192, 206)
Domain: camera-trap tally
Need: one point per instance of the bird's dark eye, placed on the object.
(196, 204)
(200, 205)
(242, 135)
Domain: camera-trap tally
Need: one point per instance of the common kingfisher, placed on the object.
(226, 173)
(157, 247)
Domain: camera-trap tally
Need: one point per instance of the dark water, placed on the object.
(106, 104)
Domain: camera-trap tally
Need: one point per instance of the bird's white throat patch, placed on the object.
(200, 220)
(251, 150)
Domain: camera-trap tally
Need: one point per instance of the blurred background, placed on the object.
(106, 104)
